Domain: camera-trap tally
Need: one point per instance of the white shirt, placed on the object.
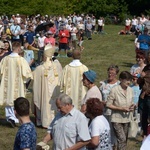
(75, 63)
(73, 30)
(100, 127)
(93, 22)
(41, 41)
(100, 22)
(128, 22)
(134, 21)
(142, 20)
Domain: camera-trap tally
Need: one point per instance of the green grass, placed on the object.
(99, 53)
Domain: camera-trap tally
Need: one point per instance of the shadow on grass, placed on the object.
(126, 64)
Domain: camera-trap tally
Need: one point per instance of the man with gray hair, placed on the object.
(69, 129)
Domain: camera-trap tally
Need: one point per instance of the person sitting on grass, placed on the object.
(26, 135)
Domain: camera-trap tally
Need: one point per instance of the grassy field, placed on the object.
(99, 53)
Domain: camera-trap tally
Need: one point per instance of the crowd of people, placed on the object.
(66, 101)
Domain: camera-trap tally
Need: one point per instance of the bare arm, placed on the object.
(31, 62)
(125, 109)
(94, 142)
(78, 145)
(47, 138)
(83, 108)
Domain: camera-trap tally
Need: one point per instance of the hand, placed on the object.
(131, 108)
(125, 109)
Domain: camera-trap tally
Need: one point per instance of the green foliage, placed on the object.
(27, 7)
(64, 7)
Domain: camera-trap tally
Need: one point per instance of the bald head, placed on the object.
(76, 54)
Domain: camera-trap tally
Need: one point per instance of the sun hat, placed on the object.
(90, 75)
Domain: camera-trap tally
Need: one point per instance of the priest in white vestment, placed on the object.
(14, 71)
(71, 81)
(46, 88)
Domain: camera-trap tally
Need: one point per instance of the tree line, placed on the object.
(65, 7)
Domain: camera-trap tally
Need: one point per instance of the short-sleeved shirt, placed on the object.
(105, 89)
(50, 40)
(100, 127)
(63, 36)
(15, 29)
(137, 92)
(93, 92)
(29, 37)
(136, 69)
(28, 55)
(67, 130)
(144, 45)
(26, 137)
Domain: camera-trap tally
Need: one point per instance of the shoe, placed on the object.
(12, 123)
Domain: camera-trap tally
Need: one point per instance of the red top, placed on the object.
(50, 40)
(63, 36)
(53, 30)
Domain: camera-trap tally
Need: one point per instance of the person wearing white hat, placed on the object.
(46, 88)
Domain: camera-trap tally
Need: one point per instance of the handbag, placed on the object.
(133, 128)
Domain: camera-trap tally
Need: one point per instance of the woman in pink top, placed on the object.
(49, 39)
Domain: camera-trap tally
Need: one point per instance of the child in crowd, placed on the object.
(137, 92)
(29, 55)
(81, 38)
(26, 135)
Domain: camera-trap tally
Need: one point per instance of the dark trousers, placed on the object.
(88, 34)
(145, 113)
(100, 29)
(40, 55)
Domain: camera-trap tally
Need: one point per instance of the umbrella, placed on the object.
(43, 26)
